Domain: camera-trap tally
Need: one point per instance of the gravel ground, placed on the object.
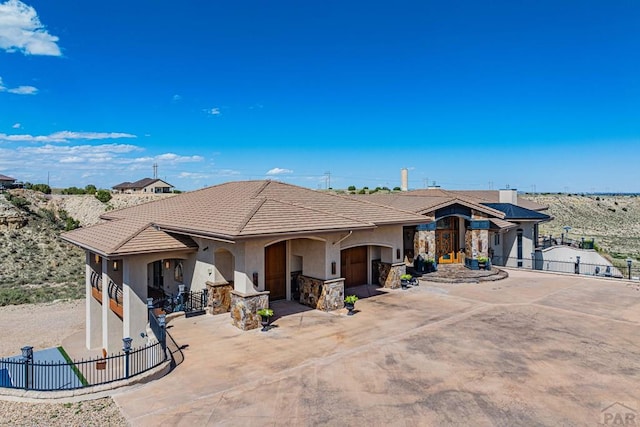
(42, 326)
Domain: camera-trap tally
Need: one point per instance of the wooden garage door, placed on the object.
(275, 265)
(353, 266)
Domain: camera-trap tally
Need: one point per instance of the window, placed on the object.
(519, 247)
(177, 273)
(496, 239)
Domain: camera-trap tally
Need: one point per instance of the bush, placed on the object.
(43, 188)
(90, 189)
(103, 195)
(17, 201)
(351, 188)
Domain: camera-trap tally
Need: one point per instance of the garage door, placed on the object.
(353, 266)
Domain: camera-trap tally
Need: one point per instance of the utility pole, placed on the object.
(155, 171)
(327, 179)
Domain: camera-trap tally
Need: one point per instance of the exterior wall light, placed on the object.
(96, 258)
(115, 265)
(333, 267)
(167, 264)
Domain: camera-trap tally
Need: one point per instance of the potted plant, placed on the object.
(265, 315)
(483, 263)
(349, 303)
(431, 265)
(406, 280)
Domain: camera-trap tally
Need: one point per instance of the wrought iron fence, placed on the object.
(574, 267)
(25, 373)
(191, 302)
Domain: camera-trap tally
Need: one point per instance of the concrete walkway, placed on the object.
(533, 349)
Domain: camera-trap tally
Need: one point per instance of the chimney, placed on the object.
(404, 179)
(509, 195)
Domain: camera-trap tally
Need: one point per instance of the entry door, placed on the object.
(353, 266)
(275, 265)
(158, 279)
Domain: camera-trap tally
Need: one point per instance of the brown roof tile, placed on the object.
(239, 210)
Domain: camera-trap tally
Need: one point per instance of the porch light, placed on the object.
(398, 253)
(115, 265)
(167, 264)
(96, 258)
(333, 267)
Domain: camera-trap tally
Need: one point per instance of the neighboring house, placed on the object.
(250, 242)
(144, 186)
(6, 181)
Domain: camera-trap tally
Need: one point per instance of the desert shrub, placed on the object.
(73, 191)
(397, 189)
(43, 188)
(49, 215)
(17, 201)
(103, 195)
(351, 188)
(90, 189)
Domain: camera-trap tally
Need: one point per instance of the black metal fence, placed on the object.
(25, 373)
(191, 302)
(573, 267)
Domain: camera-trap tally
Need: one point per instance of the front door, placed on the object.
(353, 266)
(447, 244)
(158, 278)
(275, 266)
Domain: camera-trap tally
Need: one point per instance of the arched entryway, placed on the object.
(353, 266)
(275, 267)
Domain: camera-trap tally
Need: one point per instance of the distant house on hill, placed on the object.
(6, 181)
(144, 186)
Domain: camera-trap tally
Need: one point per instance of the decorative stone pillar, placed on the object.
(325, 295)
(219, 297)
(390, 274)
(476, 241)
(424, 241)
(244, 309)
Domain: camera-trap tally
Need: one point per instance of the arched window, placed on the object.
(177, 272)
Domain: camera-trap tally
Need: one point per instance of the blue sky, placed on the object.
(469, 94)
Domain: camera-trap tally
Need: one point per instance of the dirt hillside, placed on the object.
(613, 221)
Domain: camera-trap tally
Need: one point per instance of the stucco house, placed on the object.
(250, 242)
(6, 181)
(144, 186)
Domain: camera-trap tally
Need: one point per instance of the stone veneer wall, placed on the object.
(325, 295)
(219, 300)
(424, 244)
(477, 243)
(244, 309)
(390, 274)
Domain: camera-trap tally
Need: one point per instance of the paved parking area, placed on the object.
(533, 349)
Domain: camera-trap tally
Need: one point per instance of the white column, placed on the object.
(93, 317)
(105, 305)
(134, 289)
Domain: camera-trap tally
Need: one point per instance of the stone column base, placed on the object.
(325, 295)
(390, 274)
(219, 300)
(244, 309)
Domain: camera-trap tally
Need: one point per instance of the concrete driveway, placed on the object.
(533, 349)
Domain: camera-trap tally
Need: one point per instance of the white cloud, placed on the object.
(215, 111)
(279, 171)
(20, 90)
(171, 157)
(176, 98)
(22, 31)
(64, 136)
(16, 126)
(24, 90)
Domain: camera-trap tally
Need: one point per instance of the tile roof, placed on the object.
(239, 209)
(141, 183)
(518, 212)
(6, 178)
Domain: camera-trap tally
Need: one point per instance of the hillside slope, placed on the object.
(613, 221)
(37, 265)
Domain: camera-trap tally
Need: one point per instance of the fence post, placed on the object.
(149, 308)
(162, 322)
(27, 357)
(629, 261)
(533, 260)
(577, 266)
(127, 349)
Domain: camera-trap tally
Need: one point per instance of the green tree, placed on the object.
(90, 189)
(103, 195)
